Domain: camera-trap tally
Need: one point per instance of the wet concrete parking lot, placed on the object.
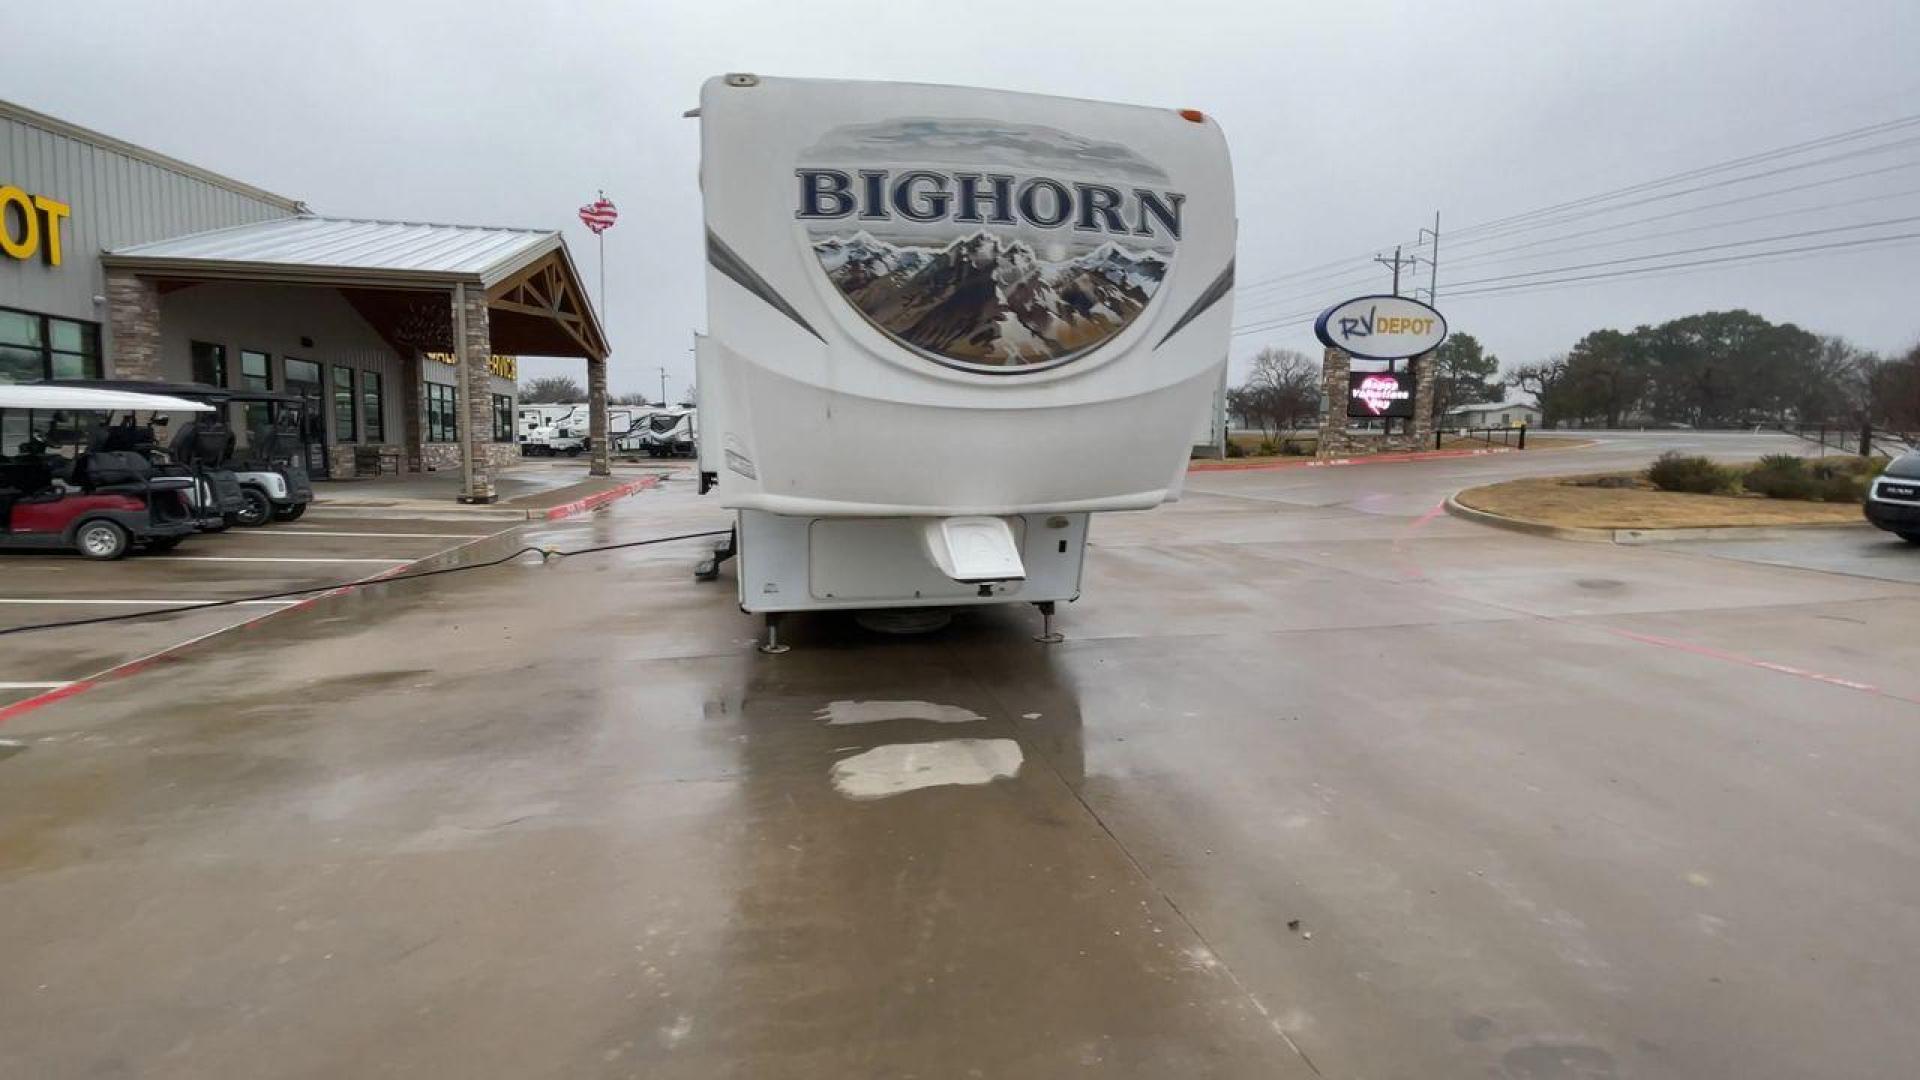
(1321, 783)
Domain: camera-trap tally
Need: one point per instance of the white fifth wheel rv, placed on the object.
(945, 325)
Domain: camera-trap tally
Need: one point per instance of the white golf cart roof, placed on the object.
(82, 399)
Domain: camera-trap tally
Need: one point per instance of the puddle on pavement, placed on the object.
(897, 768)
(874, 712)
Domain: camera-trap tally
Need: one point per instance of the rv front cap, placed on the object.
(1381, 327)
(926, 195)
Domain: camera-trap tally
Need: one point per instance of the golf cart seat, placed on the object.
(111, 470)
(200, 444)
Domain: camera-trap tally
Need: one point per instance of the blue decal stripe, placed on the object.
(1221, 286)
(728, 262)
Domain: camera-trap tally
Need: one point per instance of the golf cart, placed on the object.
(273, 466)
(197, 448)
(270, 475)
(101, 503)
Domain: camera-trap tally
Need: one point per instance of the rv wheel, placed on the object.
(102, 540)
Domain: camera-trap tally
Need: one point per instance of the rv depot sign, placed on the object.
(1381, 328)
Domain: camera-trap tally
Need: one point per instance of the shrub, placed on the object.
(1841, 489)
(1294, 449)
(1780, 476)
(1847, 466)
(1234, 449)
(1267, 448)
(1696, 475)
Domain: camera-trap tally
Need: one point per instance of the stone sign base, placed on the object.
(1336, 440)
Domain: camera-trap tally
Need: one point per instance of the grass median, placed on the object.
(1629, 501)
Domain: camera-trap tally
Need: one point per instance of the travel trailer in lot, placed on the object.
(946, 325)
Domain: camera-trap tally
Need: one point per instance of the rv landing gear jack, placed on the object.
(1047, 635)
(772, 645)
(709, 568)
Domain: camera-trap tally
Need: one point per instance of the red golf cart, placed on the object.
(56, 494)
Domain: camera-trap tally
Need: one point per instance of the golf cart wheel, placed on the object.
(162, 543)
(257, 512)
(101, 540)
(289, 513)
(1910, 537)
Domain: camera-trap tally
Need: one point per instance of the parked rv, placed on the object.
(977, 318)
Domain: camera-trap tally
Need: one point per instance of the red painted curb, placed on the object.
(1319, 463)
(601, 498)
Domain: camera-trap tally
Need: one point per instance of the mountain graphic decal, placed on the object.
(986, 300)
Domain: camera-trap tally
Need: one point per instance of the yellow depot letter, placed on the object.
(53, 212)
(24, 246)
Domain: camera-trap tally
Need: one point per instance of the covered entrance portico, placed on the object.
(417, 328)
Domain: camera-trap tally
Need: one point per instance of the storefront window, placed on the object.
(209, 363)
(372, 407)
(342, 404)
(256, 370)
(256, 373)
(502, 418)
(443, 408)
(42, 347)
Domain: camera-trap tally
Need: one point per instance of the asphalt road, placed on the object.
(1321, 783)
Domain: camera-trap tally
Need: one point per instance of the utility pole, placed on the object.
(663, 387)
(1395, 263)
(1433, 263)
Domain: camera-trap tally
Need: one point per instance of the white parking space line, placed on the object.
(156, 602)
(33, 685)
(266, 559)
(370, 535)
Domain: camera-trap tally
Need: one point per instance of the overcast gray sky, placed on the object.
(1350, 123)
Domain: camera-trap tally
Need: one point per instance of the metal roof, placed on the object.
(348, 250)
(13, 111)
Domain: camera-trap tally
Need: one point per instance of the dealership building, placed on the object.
(119, 262)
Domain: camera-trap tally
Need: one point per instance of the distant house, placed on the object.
(1495, 414)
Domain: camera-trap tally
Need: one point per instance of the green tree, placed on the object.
(1464, 374)
(1607, 374)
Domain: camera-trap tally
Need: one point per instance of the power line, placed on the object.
(1706, 170)
(1616, 226)
(1327, 286)
(1682, 193)
(1515, 288)
(1693, 251)
(1646, 185)
(1750, 257)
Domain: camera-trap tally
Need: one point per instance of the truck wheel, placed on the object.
(1909, 537)
(101, 540)
(290, 513)
(573, 451)
(257, 512)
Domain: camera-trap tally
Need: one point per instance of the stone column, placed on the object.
(1334, 365)
(413, 411)
(602, 453)
(476, 385)
(133, 319)
(1425, 371)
